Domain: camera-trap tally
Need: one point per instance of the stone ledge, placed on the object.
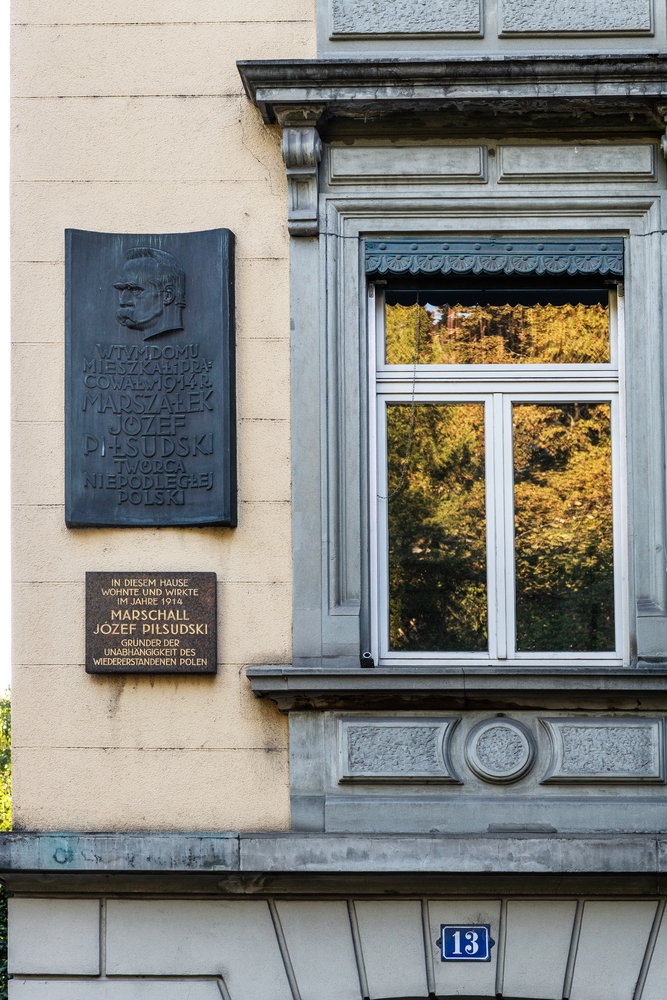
(331, 854)
(329, 686)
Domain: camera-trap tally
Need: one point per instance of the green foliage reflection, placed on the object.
(509, 335)
(5, 761)
(563, 527)
(437, 535)
(5, 824)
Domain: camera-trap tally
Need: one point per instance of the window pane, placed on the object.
(457, 334)
(437, 533)
(563, 527)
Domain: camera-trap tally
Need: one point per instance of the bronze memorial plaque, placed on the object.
(151, 623)
(149, 374)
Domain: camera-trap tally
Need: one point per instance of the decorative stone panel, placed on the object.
(578, 163)
(396, 164)
(500, 750)
(405, 17)
(396, 750)
(589, 17)
(608, 749)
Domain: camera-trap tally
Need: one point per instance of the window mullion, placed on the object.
(498, 555)
(509, 583)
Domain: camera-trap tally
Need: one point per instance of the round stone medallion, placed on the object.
(500, 750)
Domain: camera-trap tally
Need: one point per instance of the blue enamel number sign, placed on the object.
(465, 942)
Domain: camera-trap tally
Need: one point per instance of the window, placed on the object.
(496, 432)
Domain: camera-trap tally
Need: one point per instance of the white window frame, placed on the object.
(498, 387)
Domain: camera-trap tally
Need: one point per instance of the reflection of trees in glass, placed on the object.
(5, 823)
(563, 525)
(437, 555)
(484, 334)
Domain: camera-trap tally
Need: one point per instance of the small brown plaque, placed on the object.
(151, 623)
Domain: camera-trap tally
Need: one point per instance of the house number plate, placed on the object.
(465, 942)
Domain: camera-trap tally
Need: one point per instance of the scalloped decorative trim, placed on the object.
(470, 256)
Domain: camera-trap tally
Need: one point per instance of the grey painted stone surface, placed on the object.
(402, 775)
(203, 937)
(537, 946)
(589, 163)
(606, 750)
(321, 949)
(510, 852)
(654, 985)
(401, 17)
(127, 852)
(379, 87)
(321, 684)
(55, 936)
(385, 28)
(301, 149)
(589, 16)
(478, 814)
(500, 750)
(354, 948)
(306, 771)
(107, 989)
(394, 164)
(399, 969)
(401, 749)
(612, 945)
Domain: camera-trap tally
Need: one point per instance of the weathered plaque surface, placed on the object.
(150, 407)
(151, 623)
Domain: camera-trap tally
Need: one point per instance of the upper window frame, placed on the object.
(496, 385)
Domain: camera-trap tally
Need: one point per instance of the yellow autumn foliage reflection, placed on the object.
(490, 334)
(562, 488)
(563, 527)
(437, 533)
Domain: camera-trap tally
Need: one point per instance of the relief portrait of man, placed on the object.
(152, 292)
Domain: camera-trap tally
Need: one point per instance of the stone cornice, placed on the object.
(173, 852)
(375, 87)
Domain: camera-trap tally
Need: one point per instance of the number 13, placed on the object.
(470, 949)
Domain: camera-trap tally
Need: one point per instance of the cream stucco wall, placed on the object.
(129, 116)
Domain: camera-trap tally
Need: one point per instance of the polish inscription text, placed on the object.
(141, 400)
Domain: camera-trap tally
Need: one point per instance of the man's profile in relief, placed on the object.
(152, 292)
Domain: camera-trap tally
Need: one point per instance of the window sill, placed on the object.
(329, 685)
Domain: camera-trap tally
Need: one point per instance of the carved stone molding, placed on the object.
(470, 256)
(301, 148)
(354, 18)
(500, 750)
(372, 87)
(605, 750)
(396, 749)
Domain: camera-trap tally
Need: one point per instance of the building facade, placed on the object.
(431, 762)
